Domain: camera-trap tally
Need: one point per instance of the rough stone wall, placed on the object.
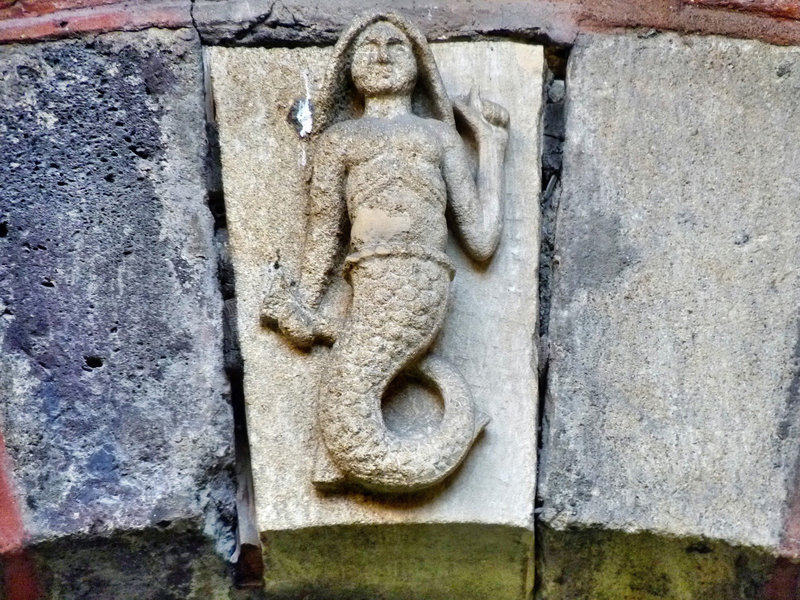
(113, 402)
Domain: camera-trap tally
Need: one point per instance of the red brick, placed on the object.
(788, 9)
(312, 21)
(16, 9)
(47, 19)
(686, 17)
(12, 533)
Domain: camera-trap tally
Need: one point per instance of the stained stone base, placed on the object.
(176, 563)
(611, 565)
(489, 332)
(399, 562)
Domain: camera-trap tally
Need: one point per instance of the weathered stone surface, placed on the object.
(113, 401)
(177, 563)
(399, 562)
(251, 22)
(488, 333)
(317, 21)
(672, 401)
(314, 21)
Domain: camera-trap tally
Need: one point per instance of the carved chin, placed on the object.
(384, 79)
(377, 85)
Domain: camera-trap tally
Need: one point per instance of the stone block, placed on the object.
(174, 563)
(311, 21)
(113, 401)
(610, 565)
(489, 334)
(672, 400)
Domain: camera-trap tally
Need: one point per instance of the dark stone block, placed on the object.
(152, 564)
(113, 399)
(256, 22)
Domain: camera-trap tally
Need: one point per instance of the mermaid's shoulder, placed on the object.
(337, 138)
(444, 131)
(344, 129)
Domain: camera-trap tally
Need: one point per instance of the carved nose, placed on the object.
(383, 54)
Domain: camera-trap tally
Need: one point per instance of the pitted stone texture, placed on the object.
(672, 401)
(411, 293)
(113, 401)
(488, 332)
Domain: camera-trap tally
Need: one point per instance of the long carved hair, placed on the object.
(337, 99)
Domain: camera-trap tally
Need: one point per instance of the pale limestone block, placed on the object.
(673, 380)
(489, 332)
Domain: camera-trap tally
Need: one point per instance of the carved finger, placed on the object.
(477, 112)
(471, 117)
(273, 306)
(463, 109)
(269, 319)
(475, 100)
(495, 114)
(298, 330)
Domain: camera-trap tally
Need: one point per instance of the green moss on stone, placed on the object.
(399, 562)
(603, 565)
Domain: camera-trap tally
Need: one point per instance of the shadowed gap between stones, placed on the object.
(247, 559)
(553, 133)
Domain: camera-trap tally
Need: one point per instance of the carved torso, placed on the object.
(394, 187)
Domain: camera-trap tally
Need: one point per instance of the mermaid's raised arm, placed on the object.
(477, 206)
(327, 211)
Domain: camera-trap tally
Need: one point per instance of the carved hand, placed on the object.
(285, 312)
(487, 120)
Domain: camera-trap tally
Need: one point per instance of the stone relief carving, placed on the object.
(388, 165)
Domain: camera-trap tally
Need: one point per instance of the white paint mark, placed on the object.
(304, 116)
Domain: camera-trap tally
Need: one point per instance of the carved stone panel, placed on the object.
(267, 102)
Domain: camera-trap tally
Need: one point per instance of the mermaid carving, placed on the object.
(387, 158)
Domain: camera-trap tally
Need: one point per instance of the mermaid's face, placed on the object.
(383, 61)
